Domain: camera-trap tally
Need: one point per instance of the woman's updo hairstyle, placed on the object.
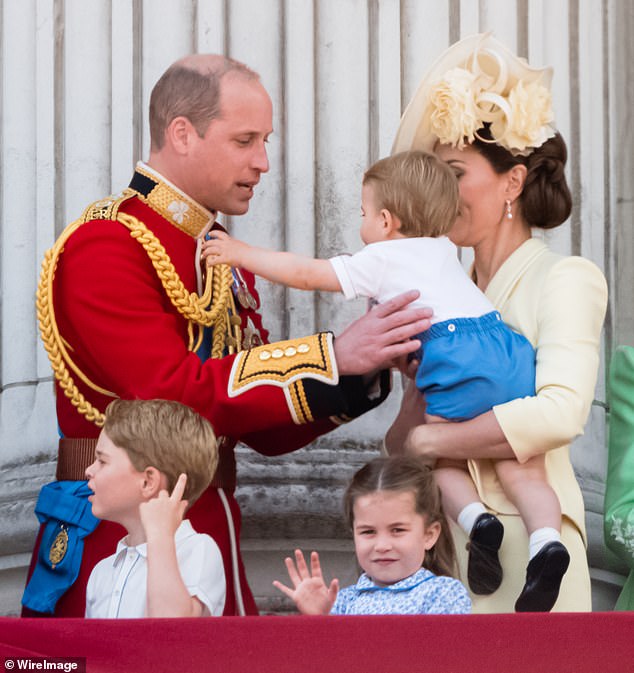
(545, 201)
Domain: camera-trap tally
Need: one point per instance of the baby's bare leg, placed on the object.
(456, 486)
(527, 487)
(462, 503)
(453, 480)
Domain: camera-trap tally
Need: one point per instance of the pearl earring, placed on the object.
(509, 212)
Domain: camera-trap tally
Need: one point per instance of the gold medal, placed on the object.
(251, 301)
(246, 299)
(243, 297)
(250, 336)
(59, 547)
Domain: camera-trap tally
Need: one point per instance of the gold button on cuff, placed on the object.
(277, 353)
(265, 355)
(290, 351)
(303, 348)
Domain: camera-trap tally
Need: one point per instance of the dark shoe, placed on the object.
(543, 579)
(484, 571)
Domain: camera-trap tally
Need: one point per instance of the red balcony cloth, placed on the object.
(519, 643)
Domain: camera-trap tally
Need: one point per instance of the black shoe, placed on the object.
(543, 579)
(484, 571)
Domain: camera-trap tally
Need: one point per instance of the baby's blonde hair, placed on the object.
(419, 189)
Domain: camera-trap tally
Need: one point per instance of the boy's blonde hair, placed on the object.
(166, 435)
(419, 189)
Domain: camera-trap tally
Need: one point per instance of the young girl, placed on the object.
(402, 544)
(470, 360)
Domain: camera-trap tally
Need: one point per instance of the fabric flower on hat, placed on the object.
(489, 88)
(528, 124)
(454, 115)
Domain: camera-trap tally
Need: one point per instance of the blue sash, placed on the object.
(64, 510)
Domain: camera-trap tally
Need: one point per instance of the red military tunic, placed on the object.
(124, 334)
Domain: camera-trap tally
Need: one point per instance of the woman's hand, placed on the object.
(413, 433)
(410, 416)
(309, 592)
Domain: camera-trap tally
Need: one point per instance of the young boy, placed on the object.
(153, 458)
(469, 361)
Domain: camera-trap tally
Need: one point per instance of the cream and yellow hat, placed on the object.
(479, 80)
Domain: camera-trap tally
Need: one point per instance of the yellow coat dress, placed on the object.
(558, 303)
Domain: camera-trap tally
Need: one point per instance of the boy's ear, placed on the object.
(391, 223)
(153, 482)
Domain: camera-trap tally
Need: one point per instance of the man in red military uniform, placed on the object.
(126, 311)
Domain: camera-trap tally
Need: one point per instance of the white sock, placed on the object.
(468, 516)
(541, 537)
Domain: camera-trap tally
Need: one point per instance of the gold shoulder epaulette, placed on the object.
(106, 209)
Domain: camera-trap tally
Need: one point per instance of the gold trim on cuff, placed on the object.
(285, 364)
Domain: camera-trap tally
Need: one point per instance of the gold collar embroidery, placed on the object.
(170, 202)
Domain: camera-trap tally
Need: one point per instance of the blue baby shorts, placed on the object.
(468, 365)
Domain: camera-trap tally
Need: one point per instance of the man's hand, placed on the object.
(309, 592)
(222, 249)
(383, 335)
(161, 516)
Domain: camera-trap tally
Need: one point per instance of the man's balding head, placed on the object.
(190, 88)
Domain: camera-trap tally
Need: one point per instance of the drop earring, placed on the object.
(509, 212)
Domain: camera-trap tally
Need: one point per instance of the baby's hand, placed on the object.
(310, 593)
(222, 249)
(161, 516)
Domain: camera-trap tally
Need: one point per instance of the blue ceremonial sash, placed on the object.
(64, 510)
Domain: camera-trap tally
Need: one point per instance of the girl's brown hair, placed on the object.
(410, 475)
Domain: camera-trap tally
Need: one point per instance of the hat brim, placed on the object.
(414, 131)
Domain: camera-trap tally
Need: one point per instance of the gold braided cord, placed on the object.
(53, 343)
(223, 331)
(190, 305)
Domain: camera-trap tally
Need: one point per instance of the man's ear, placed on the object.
(153, 482)
(179, 134)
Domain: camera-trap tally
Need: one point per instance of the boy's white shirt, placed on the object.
(430, 265)
(117, 587)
